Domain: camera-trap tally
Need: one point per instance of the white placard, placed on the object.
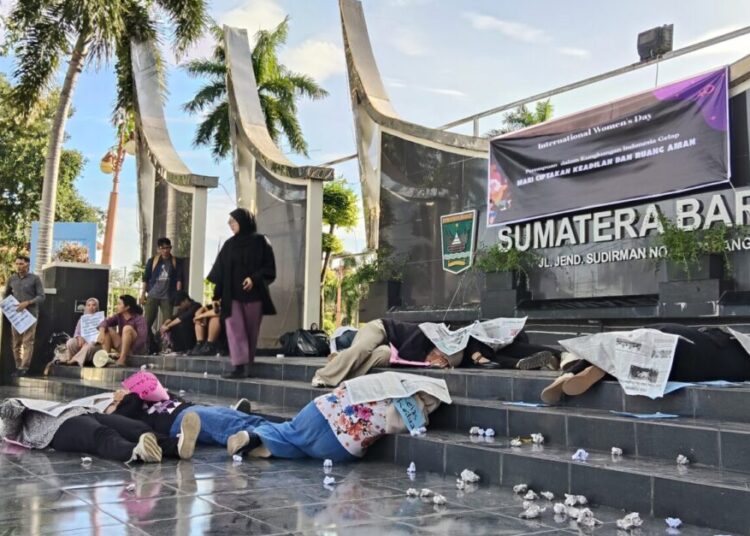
(90, 326)
(20, 320)
(640, 359)
(496, 333)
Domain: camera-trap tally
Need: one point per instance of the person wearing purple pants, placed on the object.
(242, 273)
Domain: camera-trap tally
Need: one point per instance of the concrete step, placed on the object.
(703, 441)
(697, 494)
(721, 404)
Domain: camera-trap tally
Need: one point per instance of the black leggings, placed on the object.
(108, 436)
(508, 356)
(711, 355)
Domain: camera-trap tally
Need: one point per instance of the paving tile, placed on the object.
(213, 524)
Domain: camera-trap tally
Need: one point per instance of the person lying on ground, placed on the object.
(520, 354)
(179, 329)
(125, 331)
(372, 348)
(84, 426)
(208, 330)
(167, 417)
(342, 424)
(702, 354)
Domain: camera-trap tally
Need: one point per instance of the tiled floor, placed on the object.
(46, 492)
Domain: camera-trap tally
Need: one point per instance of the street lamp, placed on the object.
(111, 163)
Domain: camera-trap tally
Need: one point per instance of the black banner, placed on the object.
(669, 140)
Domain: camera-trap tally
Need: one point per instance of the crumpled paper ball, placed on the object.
(460, 484)
(586, 518)
(515, 442)
(412, 468)
(85, 460)
(426, 492)
(468, 475)
(548, 495)
(581, 455)
(631, 521)
(520, 488)
(532, 512)
(327, 463)
(559, 508)
(411, 492)
(439, 499)
(616, 451)
(682, 460)
(574, 500)
(537, 439)
(474, 430)
(329, 480)
(237, 458)
(572, 512)
(489, 432)
(673, 522)
(531, 495)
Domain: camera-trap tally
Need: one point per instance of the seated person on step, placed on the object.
(179, 330)
(76, 347)
(702, 354)
(125, 331)
(209, 330)
(372, 348)
(520, 354)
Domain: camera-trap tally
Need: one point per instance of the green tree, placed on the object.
(22, 150)
(340, 211)
(45, 33)
(523, 117)
(278, 88)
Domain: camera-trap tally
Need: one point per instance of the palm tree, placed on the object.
(522, 117)
(45, 33)
(278, 88)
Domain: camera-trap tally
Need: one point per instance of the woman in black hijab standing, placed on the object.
(242, 272)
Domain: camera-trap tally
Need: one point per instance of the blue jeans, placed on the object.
(307, 434)
(218, 423)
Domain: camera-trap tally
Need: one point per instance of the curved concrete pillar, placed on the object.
(287, 199)
(410, 176)
(172, 199)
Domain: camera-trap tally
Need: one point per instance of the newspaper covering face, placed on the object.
(640, 359)
(496, 333)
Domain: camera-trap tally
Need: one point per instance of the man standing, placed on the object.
(162, 278)
(27, 288)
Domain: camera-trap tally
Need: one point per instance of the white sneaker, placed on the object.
(317, 382)
(147, 450)
(190, 427)
(237, 441)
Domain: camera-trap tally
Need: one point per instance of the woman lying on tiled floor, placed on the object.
(85, 426)
(339, 426)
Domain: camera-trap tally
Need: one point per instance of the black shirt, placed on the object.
(188, 314)
(412, 344)
(132, 406)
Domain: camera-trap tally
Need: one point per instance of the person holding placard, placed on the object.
(28, 289)
(85, 334)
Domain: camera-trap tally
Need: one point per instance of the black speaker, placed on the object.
(655, 42)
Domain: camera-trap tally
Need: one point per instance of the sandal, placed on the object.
(479, 361)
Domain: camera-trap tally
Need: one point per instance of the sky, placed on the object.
(440, 60)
